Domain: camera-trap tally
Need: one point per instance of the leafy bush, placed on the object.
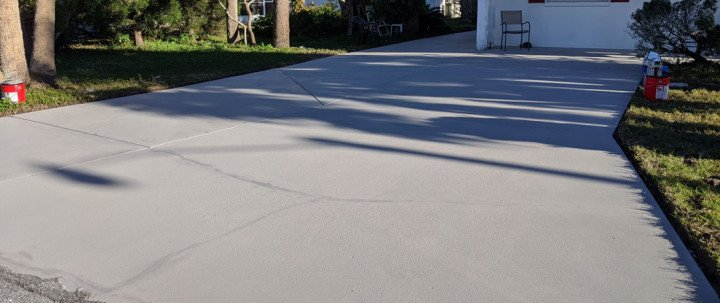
(313, 20)
(399, 11)
(686, 27)
(263, 25)
(162, 18)
(318, 20)
(79, 19)
(121, 40)
(432, 22)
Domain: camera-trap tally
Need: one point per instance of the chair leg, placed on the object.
(529, 44)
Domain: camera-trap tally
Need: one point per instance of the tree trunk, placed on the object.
(350, 7)
(246, 5)
(12, 51)
(468, 10)
(282, 24)
(191, 34)
(233, 35)
(413, 24)
(42, 64)
(137, 36)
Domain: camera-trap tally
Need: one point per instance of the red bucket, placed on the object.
(14, 90)
(656, 88)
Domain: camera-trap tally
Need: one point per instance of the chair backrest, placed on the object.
(511, 17)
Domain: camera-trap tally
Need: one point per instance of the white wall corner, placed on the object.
(481, 35)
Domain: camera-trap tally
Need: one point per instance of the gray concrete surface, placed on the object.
(429, 173)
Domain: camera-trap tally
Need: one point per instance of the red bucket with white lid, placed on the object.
(14, 90)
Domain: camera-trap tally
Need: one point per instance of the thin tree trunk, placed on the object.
(350, 7)
(191, 34)
(12, 51)
(42, 64)
(246, 5)
(282, 23)
(233, 35)
(138, 37)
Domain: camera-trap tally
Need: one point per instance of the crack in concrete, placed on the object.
(174, 257)
(271, 186)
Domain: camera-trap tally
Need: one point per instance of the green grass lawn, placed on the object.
(675, 145)
(93, 72)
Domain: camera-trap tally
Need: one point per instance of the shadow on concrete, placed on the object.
(83, 177)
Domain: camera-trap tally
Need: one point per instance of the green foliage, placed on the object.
(297, 5)
(668, 27)
(6, 105)
(126, 14)
(432, 22)
(163, 18)
(122, 40)
(155, 18)
(399, 11)
(312, 20)
(263, 25)
(318, 20)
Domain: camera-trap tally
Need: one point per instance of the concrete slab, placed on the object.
(124, 222)
(30, 147)
(433, 173)
(357, 166)
(151, 119)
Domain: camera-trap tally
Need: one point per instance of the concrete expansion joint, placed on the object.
(79, 131)
(76, 164)
(301, 86)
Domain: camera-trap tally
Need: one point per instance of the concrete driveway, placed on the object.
(418, 172)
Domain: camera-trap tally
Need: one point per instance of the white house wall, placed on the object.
(569, 26)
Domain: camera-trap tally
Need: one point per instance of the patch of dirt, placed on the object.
(690, 160)
(713, 181)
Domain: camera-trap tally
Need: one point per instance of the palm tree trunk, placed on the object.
(350, 8)
(138, 38)
(42, 64)
(12, 51)
(233, 35)
(282, 23)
